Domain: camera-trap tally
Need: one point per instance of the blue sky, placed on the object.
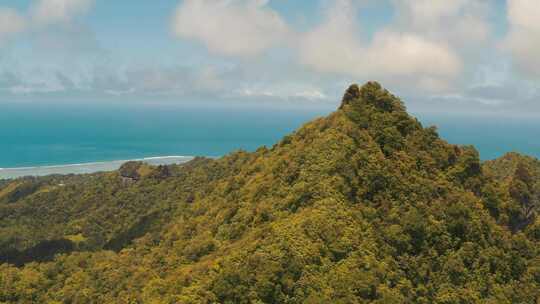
(468, 56)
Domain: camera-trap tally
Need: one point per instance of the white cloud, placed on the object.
(231, 27)
(459, 22)
(175, 80)
(428, 44)
(524, 13)
(459, 98)
(42, 13)
(11, 22)
(314, 94)
(281, 91)
(335, 46)
(523, 40)
(45, 12)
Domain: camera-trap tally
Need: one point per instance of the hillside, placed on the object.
(363, 206)
(504, 167)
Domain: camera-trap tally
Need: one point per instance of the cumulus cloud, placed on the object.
(523, 40)
(428, 44)
(524, 13)
(11, 22)
(461, 23)
(335, 46)
(45, 12)
(231, 27)
(42, 13)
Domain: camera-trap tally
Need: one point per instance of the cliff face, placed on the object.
(365, 205)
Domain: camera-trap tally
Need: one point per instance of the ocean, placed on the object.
(38, 139)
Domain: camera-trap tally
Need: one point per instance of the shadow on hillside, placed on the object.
(42, 252)
(145, 224)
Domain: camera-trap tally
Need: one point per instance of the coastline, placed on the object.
(90, 167)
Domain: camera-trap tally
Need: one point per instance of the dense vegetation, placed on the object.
(363, 206)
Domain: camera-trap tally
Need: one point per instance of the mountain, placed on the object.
(363, 206)
(519, 178)
(504, 168)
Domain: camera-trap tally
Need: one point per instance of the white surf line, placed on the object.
(165, 157)
(95, 163)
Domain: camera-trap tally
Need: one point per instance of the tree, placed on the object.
(525, 192)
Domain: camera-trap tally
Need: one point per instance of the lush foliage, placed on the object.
(363, 206)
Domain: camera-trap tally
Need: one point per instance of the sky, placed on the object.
(463, 56)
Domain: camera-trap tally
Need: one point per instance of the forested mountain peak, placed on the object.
(504, 167)
(363, 206)
(371, 93)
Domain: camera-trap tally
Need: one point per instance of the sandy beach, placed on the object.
(84, 168)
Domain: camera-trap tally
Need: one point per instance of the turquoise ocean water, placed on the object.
(36, 135)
